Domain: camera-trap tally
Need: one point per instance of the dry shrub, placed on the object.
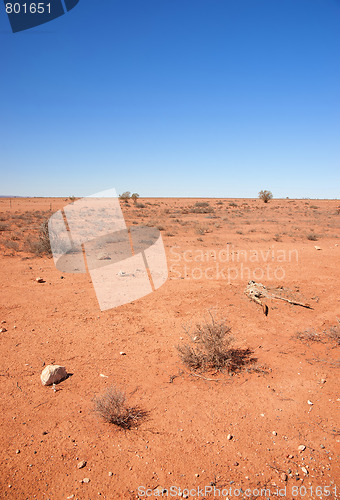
(334, 332)
(202, 230)
(10, 245)
(312, 237)
(201, 207)
(209, 348)
(112, 407)
(4, 227)
(309, 336)
(41, 245)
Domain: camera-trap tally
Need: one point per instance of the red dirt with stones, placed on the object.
(183, 442)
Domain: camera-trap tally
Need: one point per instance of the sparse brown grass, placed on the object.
(112, 407)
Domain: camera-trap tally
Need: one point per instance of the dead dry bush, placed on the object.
(40, 245)
(209, 348)
(10, 245)
(112, 407)
(312, 237)
(309, 336)
(334, 333)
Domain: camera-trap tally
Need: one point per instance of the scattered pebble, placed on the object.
(229, 437)
(40, 280)
(85, 480)
(274, 433)
(122, 353)
(17, 452)
(197, 475)
(309, 402)
(322, 446)
(304, 470)
(301, 447)
(284, 476)
(3, 330)
(110, 474)
(81, 464)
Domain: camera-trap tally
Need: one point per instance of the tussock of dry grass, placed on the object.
(112, 407)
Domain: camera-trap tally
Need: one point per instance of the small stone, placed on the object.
(17, 452)
(85, 480)
(44, 433)
(309, 402)
(53, 374)
(70, 497)
(197, 475)
(81, 464)
(40, 280)
(317, 248)
(122, 353)
(229, 437)
(236, 464)
(301, 447)
(3, 321)
(3, 330)
(103, 256)
(110, 474)
(322, 446)
(304, 470)
(284, 476)
(274, 433)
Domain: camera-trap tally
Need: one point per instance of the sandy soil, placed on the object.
(183, 442)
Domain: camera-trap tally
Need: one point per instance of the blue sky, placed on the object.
(174, 98)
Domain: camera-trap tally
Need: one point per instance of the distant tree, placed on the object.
(125, 196)
(265, 195)
(135, 197)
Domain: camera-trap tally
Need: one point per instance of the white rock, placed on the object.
(103, 256)
(317, 248)
(53, 374)
(40, 280)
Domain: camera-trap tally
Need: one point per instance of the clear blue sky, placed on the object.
(174, 98)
